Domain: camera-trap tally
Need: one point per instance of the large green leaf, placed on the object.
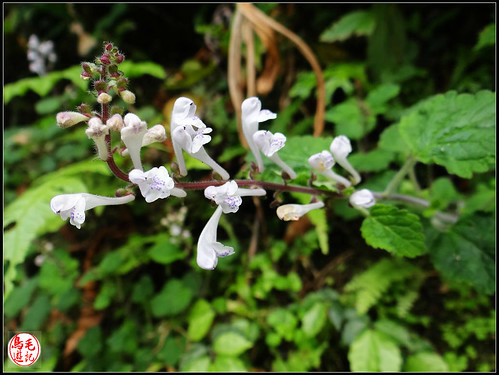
(372, 351)
(394, 230)
(466, 252)
(454, 130)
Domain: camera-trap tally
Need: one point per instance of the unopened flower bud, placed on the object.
(119, 58)
(121, 83)
(104, 98)
(105, 59)
(115, 122)
(100, 85)
(362, 199)
(85, 109)
(121, 192)
(108, 47)
(127, 96)
(85, 76)
(341, 148)
(113, 68)
(155, 134)
(86, 68)
(67, 119)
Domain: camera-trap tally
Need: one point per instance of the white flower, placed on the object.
(251, 115)
(208, 249)
(185, 137)
(323, 163)
(155, 134)
(269, 144)
(228, 196)
(341, 148)
(155, 183)
(289, 212)
(132, 135)
(362, 199)
(73, 206)
(97, 131)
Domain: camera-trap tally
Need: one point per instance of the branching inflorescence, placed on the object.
(190, 134)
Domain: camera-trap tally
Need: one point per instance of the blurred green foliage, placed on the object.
(124, 293)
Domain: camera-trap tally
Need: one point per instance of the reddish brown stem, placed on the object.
(263, 184)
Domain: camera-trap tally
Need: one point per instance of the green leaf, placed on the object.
(231, 343)
(401, 335)
(425, 362)
(227, 364)
(123, 339)
(391, 140)
(372, 351)
(37, 313)
(200, 319)
(172, 350)
(373, 161)
(165, 252)
(137, 69)
(173, 299)
(482, 200)
(18, 300)
(394, 230)
(44, 84)
(369, 286)
(90, 344)
(487, 37)
(58, 273)
(466, 252)
(350, 119)
(378, 98)
(200, 364)
(358, 23)
(143, 289)
(105, 296)
(454, 131)
(314, 319)
(283, 321)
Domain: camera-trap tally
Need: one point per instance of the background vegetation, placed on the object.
(124, 293)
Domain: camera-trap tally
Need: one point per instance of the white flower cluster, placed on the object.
(40, 55)
(190, 134)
